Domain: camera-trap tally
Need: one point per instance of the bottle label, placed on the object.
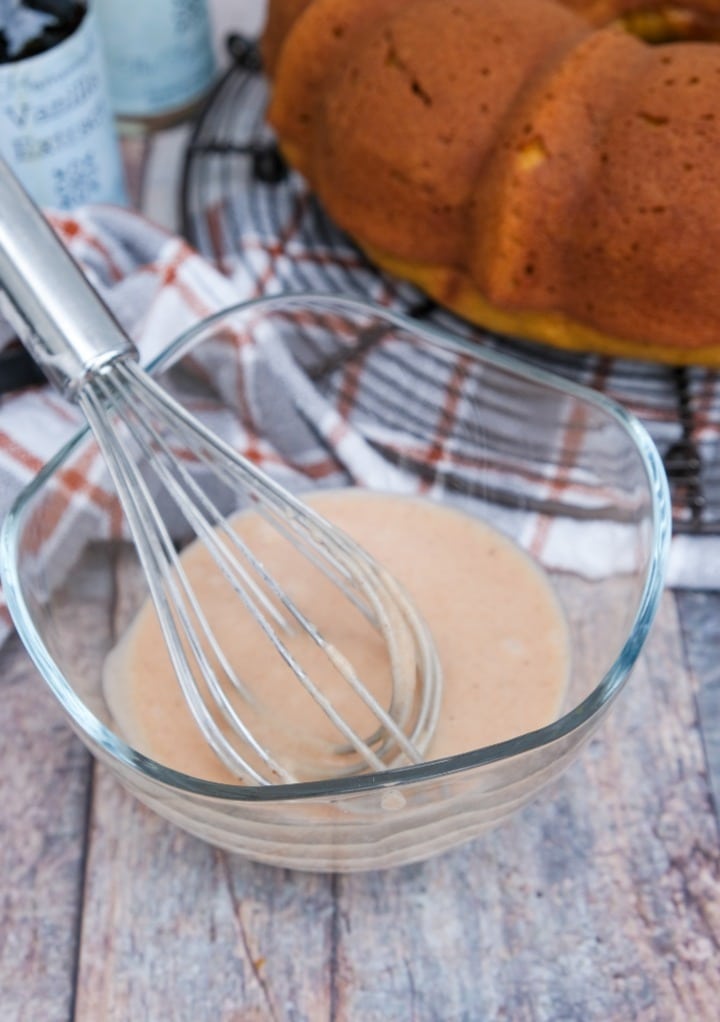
(159, 54)
(56, 124)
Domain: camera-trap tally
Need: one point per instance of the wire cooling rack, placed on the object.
(236, 189)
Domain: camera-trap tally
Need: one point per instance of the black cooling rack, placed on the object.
(232, 164)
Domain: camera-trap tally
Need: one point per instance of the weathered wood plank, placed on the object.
(46, 776)
(700, 621)
(602, 902)
(173, 929)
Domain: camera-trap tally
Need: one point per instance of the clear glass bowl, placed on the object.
(531, 453)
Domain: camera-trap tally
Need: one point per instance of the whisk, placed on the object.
(87, 356)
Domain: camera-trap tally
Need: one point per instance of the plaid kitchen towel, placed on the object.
(158, 287)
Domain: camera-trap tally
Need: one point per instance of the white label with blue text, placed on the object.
(56, 125)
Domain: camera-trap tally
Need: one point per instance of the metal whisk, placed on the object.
(140, 429)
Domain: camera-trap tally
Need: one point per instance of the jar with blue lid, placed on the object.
(56, 124)
(160, 59)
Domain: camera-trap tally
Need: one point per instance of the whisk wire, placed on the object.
(180, 493)
(161, 573)
(348, 556)
(179, 484)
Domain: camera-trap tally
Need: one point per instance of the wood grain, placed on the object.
(46, 776)
(175, 929)
(700, 620)
(600, 902)
(45, 772)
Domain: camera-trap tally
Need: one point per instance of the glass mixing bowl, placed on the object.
(565, 473)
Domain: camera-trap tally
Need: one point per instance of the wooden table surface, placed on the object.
(601, 901)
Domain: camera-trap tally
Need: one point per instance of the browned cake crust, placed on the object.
(539, 174)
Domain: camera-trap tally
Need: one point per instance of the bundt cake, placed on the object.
(535, 165)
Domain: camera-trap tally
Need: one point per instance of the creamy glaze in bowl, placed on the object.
(565, 473)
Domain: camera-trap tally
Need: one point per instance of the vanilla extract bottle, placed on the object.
(57, 129)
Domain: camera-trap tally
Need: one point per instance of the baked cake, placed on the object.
(537, 166)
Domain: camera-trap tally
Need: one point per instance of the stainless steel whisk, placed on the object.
(88, 357)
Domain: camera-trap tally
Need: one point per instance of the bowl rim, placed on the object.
(115, 748)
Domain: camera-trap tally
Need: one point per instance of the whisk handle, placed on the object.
(44, 295)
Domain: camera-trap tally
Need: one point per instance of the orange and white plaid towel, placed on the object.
(158, 287)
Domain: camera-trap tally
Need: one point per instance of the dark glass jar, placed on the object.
(30, 28)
